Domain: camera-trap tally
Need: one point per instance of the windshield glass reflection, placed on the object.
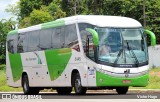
(121, 46)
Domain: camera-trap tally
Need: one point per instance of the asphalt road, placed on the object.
(102, 96)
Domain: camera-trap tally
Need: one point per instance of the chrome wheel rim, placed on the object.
(25, 86)
(78, 84)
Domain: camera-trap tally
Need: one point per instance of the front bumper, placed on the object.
(106, 80)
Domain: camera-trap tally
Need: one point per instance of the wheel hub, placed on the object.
(78, 84)
(25, 86)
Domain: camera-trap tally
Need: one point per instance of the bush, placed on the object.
(2, 67)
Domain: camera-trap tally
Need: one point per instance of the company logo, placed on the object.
(39, 59)
(6, 96)
(14, 96)
(126, 72)
(127, 66)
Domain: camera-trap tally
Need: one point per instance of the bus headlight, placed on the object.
(103, 71)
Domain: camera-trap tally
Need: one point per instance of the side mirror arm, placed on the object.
(152, 35)
(95, 42)
(95, 36)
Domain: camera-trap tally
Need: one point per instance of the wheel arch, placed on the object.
(74, 71)
(23, 73)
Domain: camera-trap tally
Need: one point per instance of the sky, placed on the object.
(3, 5)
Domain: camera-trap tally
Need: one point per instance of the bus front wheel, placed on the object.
(122, 90)
(79, 89)
(26, 89)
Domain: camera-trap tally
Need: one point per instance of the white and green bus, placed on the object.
(83, 52)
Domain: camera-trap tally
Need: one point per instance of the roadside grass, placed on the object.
(3, 82)
(154, 81)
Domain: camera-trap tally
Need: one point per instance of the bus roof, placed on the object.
(104, 21)
(98, 20)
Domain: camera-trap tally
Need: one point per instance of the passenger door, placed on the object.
(89, 51)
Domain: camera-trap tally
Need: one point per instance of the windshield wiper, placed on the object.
(119, 53)
(130, 50)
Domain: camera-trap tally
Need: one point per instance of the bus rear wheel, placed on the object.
(122, 90)
(79, 89)
(64, 90)
(26, 89)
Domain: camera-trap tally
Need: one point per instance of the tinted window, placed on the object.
(71, 39)
(33, 44)
(84, 33)
(62, 39)
(58, 38)
(11, 46)
(84, 40)
(83, 26)
(22, 43)
(12, 43)
(90, 46)
(45, 39)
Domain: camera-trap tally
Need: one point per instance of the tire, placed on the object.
(122, 90)
(79, 89)
(26, 89)
(64, 90)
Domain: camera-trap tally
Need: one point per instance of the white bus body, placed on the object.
(51, 55)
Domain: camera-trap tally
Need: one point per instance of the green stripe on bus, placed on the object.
(106, 80)
(13, 32)
(16, 66)
(57, 61)
(53, 24)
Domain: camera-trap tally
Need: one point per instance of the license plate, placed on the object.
(126, 81)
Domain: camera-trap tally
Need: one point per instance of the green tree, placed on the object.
(14, 9)
(36, 17)
(55, 11)
(95, 6)
(25, 22)
(39, 16)
(27, 6)
(5, 27)
(74, 7)
(153, 18)
(61, 8)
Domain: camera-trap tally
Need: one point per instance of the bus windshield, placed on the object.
(121, 46)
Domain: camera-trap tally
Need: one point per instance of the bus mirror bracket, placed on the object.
(152, 35)
(95, 41)
(95, 36)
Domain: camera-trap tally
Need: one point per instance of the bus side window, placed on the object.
(58, 38)
(71, 39)
(84, 40)
(12, 43)
(22, 43)
(83, 26)
(62, 38)
(33, 41)
(90, 47)
(45, 39)
(87, 41)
